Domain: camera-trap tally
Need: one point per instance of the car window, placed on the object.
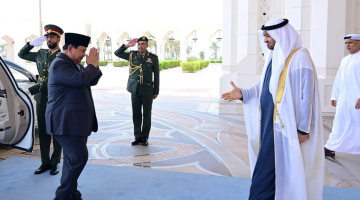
(19, 78)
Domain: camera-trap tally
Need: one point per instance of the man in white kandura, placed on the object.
(345, 135)
(283, 120)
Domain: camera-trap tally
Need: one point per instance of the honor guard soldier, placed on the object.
(43, 59)
(142, 84)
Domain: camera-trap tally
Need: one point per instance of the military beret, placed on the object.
(50, 28)
(143, 38)
(77, 39)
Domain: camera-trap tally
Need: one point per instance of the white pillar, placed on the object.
(230, 24)
(327, 45)
(183, 46)
(327, 32)
(357, 17)
(161, 48)
(299, 14)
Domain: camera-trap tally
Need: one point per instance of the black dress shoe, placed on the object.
(43, 168)
(136, 142)
(329, 153)
(76, 195)
(145, 142)
(53, 170)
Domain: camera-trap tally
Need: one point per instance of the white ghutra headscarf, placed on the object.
(287, 40)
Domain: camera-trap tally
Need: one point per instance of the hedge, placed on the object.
(101, 62)
(192, 59)
(216, 61)
(120, 63)
(194, 66)
(161, 65)
(166, 64)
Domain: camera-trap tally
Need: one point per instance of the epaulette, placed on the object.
(153, 54)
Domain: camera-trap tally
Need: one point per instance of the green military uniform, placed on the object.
(43, 59)
(142, 87)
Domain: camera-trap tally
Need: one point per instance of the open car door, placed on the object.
(16, 113)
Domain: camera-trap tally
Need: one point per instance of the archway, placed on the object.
(9, 47)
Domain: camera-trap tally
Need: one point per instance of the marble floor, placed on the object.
(192, 131)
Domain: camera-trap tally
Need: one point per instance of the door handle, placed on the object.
(3, 93)
(21, 113)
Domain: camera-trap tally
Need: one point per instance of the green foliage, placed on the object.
(83, 62)
(103, 62)
(216, 61)
(161, 65)
(194, 66)
(166, 64)
(214, 46)
(120, 63)
(172, 48)
(202, 55)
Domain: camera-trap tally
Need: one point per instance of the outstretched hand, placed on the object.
(234, 94)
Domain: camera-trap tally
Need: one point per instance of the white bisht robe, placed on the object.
(299, 168)
(345, 135)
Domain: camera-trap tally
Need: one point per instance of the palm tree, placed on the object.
(214, 46)
(108, 47)
(202, 55)
(177, 48)
(172, 48)
(108, 53)
(188, 51)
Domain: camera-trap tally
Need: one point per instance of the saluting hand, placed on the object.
(357, 104)
(234, 94)
(38, 41)
(93, 57)
(132, 43)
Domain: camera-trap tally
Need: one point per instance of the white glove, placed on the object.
(38, 41)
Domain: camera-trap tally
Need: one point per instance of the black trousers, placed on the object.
(141, 103)
(45, 139)
(75, 158)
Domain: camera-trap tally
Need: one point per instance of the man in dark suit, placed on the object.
(141, 85)
(43, 59)
(70, 113)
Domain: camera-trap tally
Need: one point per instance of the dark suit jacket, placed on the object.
(70, 108)
(150, 66)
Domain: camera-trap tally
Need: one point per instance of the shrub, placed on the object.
(216, 61)
(120, 63)
(161, 65)
(166, 64)
(194, 66)
(102, 63)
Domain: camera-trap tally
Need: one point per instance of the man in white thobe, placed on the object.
(283, 120)
(345, 135)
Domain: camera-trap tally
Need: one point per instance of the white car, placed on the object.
(17, 109)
